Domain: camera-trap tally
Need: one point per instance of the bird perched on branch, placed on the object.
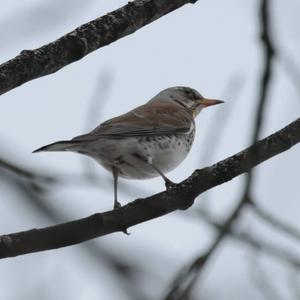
(145, 142)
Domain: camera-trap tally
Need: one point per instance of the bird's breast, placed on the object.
(132, 154)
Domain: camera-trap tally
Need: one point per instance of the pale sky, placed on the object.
(209, 46)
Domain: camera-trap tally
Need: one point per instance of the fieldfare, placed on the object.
(145, 142)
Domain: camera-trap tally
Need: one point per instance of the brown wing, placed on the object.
(156, 118)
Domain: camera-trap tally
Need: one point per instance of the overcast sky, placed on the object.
(212, 46)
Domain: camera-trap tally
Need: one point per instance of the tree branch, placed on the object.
(32, 64)
(12, 167)
(127, 273)
(180, 196)
(181, 290)
(256, 243)
(190, 273)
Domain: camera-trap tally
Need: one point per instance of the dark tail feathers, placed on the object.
(58, 146)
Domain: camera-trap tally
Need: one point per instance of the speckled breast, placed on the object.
(167, 151)
(130, 155)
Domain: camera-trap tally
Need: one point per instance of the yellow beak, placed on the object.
(209, 102)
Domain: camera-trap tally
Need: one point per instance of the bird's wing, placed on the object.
(146, 120)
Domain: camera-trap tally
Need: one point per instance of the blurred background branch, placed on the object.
(125, 272)
(98, 100)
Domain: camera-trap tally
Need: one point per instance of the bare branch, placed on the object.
(186, 279)
(269, 55)
(188, 276)
(257, 243)
(179, 196)
(32, 64)
(265, 81)
(182, 290)
(29, 175)
(97, 103)
(127, 274)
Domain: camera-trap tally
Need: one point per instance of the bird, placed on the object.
(148, 141)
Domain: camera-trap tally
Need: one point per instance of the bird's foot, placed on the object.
(125, 231)
(117, 205)
(169, 184)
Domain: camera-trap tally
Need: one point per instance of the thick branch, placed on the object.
(179, 196)
(31, 64)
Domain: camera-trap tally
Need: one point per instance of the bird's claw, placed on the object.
(117, 205)
(169, 184)
(125, 231)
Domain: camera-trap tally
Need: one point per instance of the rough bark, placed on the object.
(32, 64)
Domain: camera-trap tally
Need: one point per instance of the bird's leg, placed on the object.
(117, 204)
(148, 160)
(167, 181)
(115, 173)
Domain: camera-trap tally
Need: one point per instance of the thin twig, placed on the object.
(97, 103)
(254, 242)
(25, 173)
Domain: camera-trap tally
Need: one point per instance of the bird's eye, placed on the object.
(191, 95)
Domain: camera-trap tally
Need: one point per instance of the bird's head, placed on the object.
(188, 97)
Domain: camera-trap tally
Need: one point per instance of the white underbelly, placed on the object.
(130, 155)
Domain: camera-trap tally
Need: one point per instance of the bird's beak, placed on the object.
(208, 102)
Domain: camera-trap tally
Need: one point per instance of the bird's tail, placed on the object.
(58, 146)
